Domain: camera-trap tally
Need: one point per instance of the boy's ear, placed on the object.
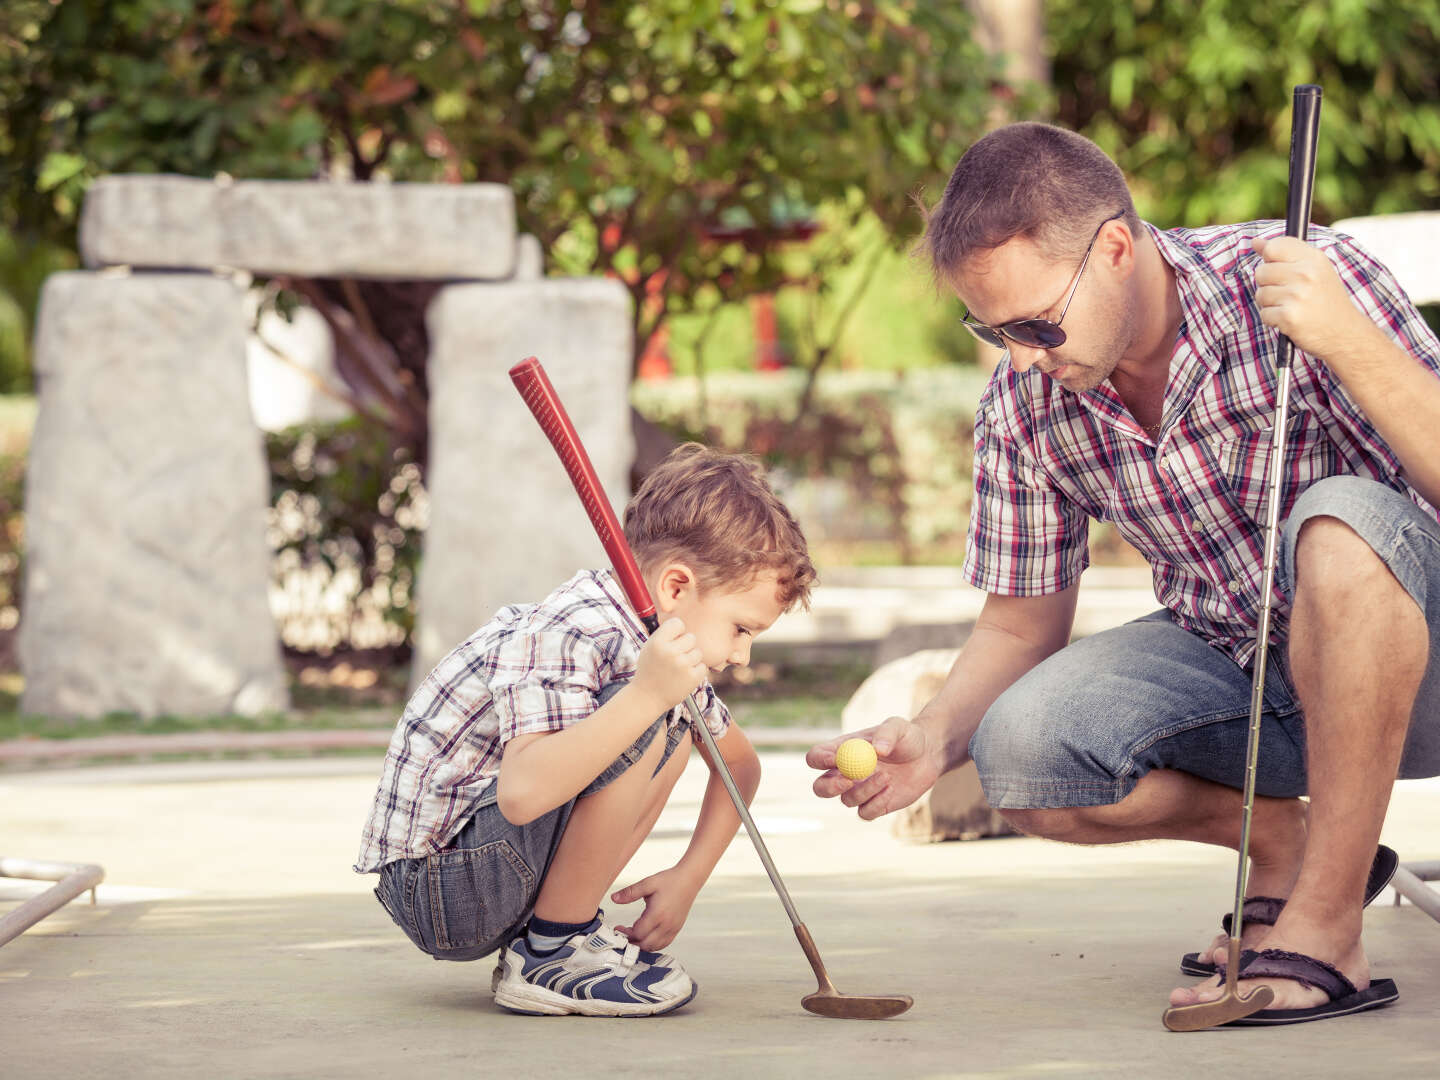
(675, 581)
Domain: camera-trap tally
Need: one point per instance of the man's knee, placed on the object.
(1332, 562)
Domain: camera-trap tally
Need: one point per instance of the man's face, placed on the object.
(1019, 281)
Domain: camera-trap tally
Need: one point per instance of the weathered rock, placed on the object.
(146, 564)
(529, 258)
(505, 523)
(307, 228)
(955, 808)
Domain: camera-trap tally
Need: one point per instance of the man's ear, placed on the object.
(676, 580)
(1116, 246)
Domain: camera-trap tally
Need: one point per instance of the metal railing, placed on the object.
(1409, 882)
(71, 879)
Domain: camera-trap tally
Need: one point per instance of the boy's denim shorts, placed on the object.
(1081, 728)
(473, 897)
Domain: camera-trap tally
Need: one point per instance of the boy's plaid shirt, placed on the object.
(1192, 501)
(532, 668)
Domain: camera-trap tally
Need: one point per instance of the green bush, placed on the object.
(348, 510)
(899, 444)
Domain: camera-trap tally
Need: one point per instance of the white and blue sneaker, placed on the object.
(596, 973)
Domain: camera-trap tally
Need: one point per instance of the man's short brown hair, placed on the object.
(717, 513)
(1032, 180)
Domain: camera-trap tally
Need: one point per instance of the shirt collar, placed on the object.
(1208, 300)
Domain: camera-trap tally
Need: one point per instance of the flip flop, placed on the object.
(1264, 910)
(1308, 971)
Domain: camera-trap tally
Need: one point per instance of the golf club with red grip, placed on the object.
(534, 385)
(1304, 132)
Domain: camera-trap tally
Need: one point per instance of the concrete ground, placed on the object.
(232, 940)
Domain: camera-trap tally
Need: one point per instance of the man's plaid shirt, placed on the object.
(532, 668)
(1047, 460)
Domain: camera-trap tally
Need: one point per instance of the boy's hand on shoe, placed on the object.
(670, 665)
(668, 896)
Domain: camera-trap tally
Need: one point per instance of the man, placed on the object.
(1140, 390)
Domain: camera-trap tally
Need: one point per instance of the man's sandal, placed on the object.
(1308, 971)
(1264, 910)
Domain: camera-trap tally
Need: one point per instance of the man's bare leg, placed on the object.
(1358, 650)
(598, 840)
(1171, 805)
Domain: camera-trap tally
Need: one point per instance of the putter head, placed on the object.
(1231, 1005)
(840, 1006)
(1208, 1014)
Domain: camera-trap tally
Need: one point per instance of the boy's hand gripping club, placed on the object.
(534, 385)
(1304, 132)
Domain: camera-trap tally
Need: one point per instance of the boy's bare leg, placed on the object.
(1359, 646)
(656, 798)
(599, 839)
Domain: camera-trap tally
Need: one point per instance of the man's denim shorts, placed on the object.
(1081, 728)
(473, 897)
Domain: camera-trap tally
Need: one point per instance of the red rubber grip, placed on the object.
(534, 385)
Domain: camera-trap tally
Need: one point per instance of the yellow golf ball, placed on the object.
(855, 758)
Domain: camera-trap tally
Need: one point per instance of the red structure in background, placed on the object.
(769, 356)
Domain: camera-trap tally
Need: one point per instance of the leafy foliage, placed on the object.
(674, 143)
(348, 509)
(1193, 100)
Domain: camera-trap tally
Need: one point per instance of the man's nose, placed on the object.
(1022, 357)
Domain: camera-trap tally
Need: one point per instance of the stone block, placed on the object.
(307, 228)
(529, 258)
(955, 808)
(147, 570)
(505, 524)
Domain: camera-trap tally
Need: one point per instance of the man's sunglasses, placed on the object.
(1036, 333)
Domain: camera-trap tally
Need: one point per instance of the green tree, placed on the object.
(1192, 99)
(633, 133)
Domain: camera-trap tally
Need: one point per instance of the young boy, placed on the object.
(530, 765)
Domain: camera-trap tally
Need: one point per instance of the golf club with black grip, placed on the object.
(1304, 133)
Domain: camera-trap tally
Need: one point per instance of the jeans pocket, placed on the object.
(478, 894)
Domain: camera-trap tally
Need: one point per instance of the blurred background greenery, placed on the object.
(706, 153)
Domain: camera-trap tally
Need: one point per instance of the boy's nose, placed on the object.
(741, 656)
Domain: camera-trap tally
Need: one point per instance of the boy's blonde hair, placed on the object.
(717, 513)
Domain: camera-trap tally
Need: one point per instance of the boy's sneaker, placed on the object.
(595, 973)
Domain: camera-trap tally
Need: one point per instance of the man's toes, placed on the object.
(1194, 995)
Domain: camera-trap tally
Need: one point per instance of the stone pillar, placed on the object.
(147, 570)
(505, 524)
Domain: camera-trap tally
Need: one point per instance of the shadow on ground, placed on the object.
(1062, 976)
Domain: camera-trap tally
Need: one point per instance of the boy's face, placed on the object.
(724, 620)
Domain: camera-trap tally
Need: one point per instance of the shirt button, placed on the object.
(1197, 526)
(1233, 586)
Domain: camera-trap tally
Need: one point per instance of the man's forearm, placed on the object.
(991, 661)
(1399, 395)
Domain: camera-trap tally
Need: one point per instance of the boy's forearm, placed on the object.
(552, 770)
(718, 821)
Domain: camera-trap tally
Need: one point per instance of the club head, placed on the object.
(1231, 1005)
(1208, 1014)
(840, 1006)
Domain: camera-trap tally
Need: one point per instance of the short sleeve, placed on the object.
(1026, 538)
(712, 710)
(1374, 291)
(545, 681)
